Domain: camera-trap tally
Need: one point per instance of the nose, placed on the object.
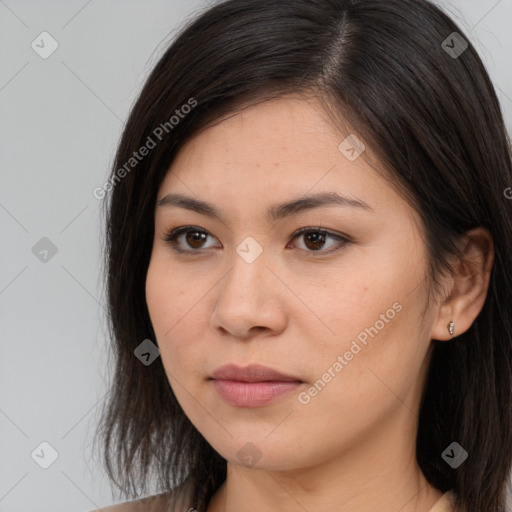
(250, 299)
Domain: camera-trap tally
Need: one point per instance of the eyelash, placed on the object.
(171, 236)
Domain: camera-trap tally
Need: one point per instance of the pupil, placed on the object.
(192, 240)
(318, 239)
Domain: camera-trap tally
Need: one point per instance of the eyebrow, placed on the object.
(275, 212)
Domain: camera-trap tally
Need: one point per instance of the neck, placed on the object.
(376, 473)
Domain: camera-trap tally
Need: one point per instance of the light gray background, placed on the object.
(61, 118)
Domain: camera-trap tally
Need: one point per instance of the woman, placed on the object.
(308, 267)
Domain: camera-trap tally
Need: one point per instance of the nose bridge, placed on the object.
(244, 294)
(247, 298)
(249, 264)
(250, 250)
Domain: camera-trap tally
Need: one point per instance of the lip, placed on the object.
(252, 386)
(251, 373)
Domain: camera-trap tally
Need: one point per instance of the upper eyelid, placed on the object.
(300, 231)
(180, 230)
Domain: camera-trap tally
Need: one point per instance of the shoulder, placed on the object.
(164, 502)
(446, 503)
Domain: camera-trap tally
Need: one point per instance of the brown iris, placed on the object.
(195, 237)
(316, 238)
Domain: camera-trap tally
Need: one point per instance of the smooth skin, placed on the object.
(297, 307)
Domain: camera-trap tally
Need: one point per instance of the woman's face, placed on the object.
(340, 316)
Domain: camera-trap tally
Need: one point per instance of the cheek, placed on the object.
(168, 296)
(372, 345)
(174, 306)
(376, 366)
(343, 302)
(359, 386)
(158, 297)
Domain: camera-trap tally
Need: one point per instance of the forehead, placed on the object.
(273, 151)
(270, 132)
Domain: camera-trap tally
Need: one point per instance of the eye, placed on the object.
(195, 238)
(315, 240)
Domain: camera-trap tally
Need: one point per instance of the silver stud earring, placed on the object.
(451, 328)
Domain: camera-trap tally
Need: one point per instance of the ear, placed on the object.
(467, 288)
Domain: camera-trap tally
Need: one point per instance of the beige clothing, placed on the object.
(445, 504)
(154, 504)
